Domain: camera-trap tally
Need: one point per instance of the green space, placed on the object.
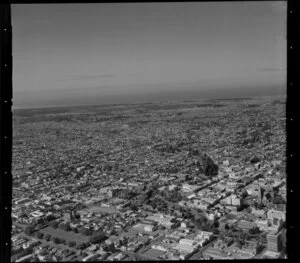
(66, 235)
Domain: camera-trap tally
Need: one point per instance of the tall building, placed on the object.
(276, 218)
(274, 241)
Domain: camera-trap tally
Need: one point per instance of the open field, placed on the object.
(67, 235)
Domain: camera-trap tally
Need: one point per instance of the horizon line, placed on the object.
(146, 102)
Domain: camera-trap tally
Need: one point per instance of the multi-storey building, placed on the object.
(274, 241)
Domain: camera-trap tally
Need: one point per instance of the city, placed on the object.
(148, 131)
(189, 180)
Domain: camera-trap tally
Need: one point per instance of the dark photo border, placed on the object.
(6, 86)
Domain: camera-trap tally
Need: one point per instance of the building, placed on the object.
(261, 213)
(246, 225)
(276, 218)
(262, 224)
(226, 163)
(235, 200)
(274, 241)
(214, 253)
(145, 227)
(165, 220)
(251, 248)
(187, 188)
(254, 189)
(113, 192)
(185, 247)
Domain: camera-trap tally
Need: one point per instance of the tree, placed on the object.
(187, 214)
(262, 238)
(71, 243)
(39, 235)
(50, 217)
(207, 226)
(49, 258)
(198, 223)
(61, 226)
(216, 224)
(136, 257)
(239, 243)
(55, 240)
(254, 231)
(29, 230)
(67, 227)
(39, 226)
(47, 237)
(81, 246)
(278, 200)
(134, 207)
(54, 224)
(98, 238)
(81, 230)
(241, 238)
(111, 248)
(87, 232)
(35, 259)
(216, 231)
(254, 160)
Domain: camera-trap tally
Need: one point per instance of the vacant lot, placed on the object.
(67, 235)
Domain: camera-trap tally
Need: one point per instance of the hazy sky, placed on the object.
(96, 53)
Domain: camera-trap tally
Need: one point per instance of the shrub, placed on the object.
(29, 230)
(39, 235)
(47, 237)
(81, 230)
(55, 240)
(87, 232)
(54, 224)
(254, 231)
(67, 227)
(62, 226)
(71, 243)
(81, 246)
(97, 238)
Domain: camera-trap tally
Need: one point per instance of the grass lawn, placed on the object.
(67, 235)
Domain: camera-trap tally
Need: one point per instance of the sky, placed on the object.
(77, 54)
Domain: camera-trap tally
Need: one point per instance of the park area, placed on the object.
(66, 235)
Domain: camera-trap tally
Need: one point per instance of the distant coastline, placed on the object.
(36, 100)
